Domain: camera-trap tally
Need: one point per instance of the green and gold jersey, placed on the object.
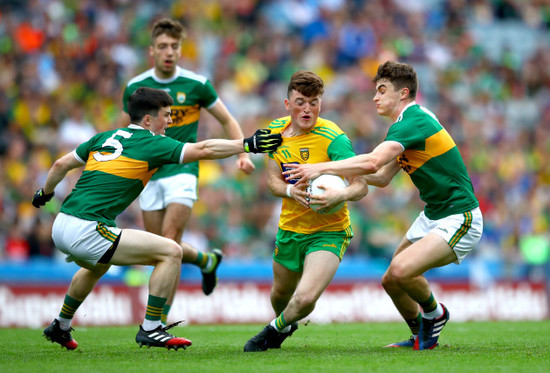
(190, 92)
(118, 165)
(432, 160)
(325, 142)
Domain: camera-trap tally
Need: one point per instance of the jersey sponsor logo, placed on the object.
(304, 153)
(181, 97)
(184, 115)
(435, 145)
(121, 166)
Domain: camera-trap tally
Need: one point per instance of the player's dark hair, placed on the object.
(169, 27)
(401, 75)
(147, 101)
(307, 83)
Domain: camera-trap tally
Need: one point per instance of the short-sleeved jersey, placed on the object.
(118, 165)
(432, 160)
(325, 142)
(190, 93)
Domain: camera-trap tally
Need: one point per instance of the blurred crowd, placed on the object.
(483, 65)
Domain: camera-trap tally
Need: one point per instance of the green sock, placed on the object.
(414, 324)
(202, 260)
(164, 314)
(155, 306)
(70, 305)
(429, 304)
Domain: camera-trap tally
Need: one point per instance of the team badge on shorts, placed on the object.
(304, 153)
(181, 97)
(276, 250)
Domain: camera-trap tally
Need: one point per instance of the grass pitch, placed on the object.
(464, 347)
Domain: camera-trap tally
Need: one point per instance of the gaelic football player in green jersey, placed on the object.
(309, 246)
(450, 225)
(167, 200)
(117, 166)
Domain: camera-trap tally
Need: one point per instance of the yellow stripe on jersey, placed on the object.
(122, 166)
(184, 115)
(437, 144)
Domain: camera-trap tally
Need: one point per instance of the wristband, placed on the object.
(288, 190)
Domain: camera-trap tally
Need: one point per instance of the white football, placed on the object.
(330, 181)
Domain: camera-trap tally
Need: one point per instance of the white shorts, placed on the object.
(461, 231)
(83, 240)
(159, 193)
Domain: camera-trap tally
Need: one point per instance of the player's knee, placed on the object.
(279, 293)
(387, 281)
(397, 274)
(305, 302)
(174, 251)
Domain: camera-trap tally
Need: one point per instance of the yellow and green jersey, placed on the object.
(432, 160)
(118, 165)
(325, 142)
(190, 92)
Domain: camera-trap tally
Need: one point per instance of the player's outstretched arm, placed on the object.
(384, 176)
(363, 164)
(55, 175)
(261, 142)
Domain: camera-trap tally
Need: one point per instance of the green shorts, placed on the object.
(291, 248)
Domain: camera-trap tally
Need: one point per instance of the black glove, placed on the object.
(262, 142)
(40, 198)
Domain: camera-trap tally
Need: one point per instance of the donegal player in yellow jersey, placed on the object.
(450, 225)
(309, 246)
(117, 166)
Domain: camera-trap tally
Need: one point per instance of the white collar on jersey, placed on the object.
(138, 127)
(405, 108)
(177, 73)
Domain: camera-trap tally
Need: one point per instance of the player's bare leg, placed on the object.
(82, 284)
(285, 282)
(404, 281)
(170, 223)
(138, 247)
(319, 269)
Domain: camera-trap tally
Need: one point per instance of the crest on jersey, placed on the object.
(304, 153)
(181, 97)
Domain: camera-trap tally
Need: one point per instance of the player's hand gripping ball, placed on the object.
(330, 181)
